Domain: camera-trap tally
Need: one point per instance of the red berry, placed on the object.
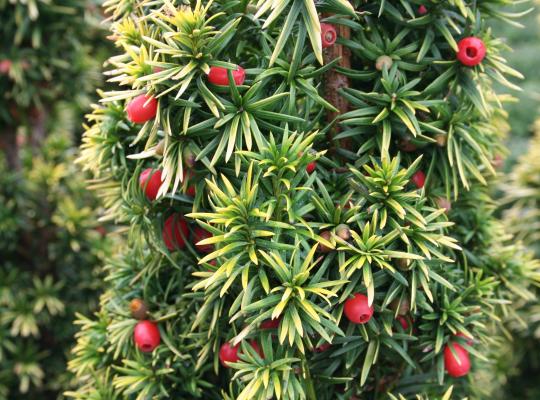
(191, 191)
(328, 35)
(146, 336)
(422, 10)
(201, 234)
(219, 76)
(174, 232)
(458, 365)
(5, 66)
(228, 353)
(403, 322)
(471, 51)
(311, 167)
(150, 182)
(322, 348)
(357, 310)
(271, 323)
(142, 108)
(419, 179)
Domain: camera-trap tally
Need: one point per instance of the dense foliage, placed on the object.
(52, 248)
(266, 205)
(44, 55)
(521, 198)
(525, 57)
(51, 242)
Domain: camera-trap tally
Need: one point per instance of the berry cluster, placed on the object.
(146, 333)
(358, 308)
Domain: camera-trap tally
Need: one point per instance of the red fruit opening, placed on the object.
(146, 336)
(357, 309)
(330, 36)
(471, 51)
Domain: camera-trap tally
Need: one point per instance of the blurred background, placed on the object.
(53, 244)
(520, 194)
(525, 57)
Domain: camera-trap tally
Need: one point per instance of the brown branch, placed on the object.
(335, 81)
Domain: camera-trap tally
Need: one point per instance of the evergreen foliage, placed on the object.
(521, 193)
(45, 55)
(364, 168)
(52, 248)
(521, 196)
(51, 242)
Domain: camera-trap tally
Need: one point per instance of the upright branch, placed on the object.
(334, 81)
(308, 283)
